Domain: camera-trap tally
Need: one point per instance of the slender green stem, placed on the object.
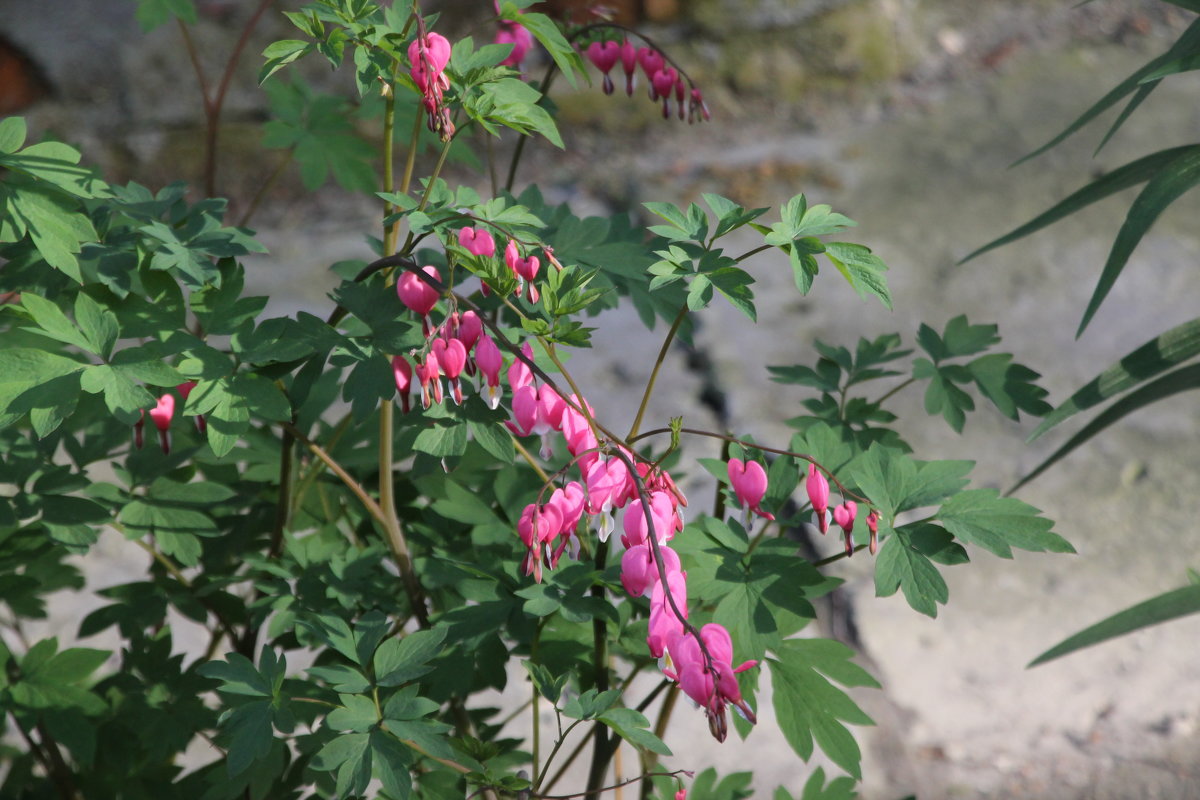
(658, 362)
(529, 459)
(600, 789)
(713, 435)
(533, 703)
(337, 469)
(266, 187)
(755, 251)
(574, 754)
(387, 498)
(178, 575)
(650, 760)
(825, 561)
(895, 389)
(540, 777)
(601, 749)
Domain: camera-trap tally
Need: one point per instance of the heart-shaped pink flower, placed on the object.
(416, 293)
(477, 241)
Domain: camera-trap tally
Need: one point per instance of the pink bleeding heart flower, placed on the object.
(663, 517)
(477, 241)
(604, 55)
(430, 53)
(526, 269)
(519, 37)
(570, 501)
(629, 60)
(873, 527)
(519, 374)
(184, 390)
(720, 646)
(680, 93)
(581, 440)
(844, 515)
(470, 328)
(418, 295)
(428, 56)
(451, 359)
(749, 481)
(697, 108)
(652, 62)
(428, 372)
(663, 622)
(639, 572)
(663, 83)
(490, 361)
(402, 371)
(537, 527)
(161, 416)
(818, 495)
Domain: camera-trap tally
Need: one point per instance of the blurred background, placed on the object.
(904, 115)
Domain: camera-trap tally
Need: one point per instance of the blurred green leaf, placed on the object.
(1162, 608)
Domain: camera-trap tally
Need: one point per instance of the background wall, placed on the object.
(903, 114)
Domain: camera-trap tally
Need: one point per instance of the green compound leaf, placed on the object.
(54, 223)
(357, 714)
(23, 373)
(398, 661)
(997, 524)
(319, 130)
(50, 680)
(152, 13)
(840, 788)
(942, 396)
(1011, 387)
(546, 31)
(442, 440)
(349, 756)
(900, 565)
(632, 726)
(1168, 606)
(959, 338)
(12, 134)
(52, 322)
(237, 675)
(810, 708)
(862, 269)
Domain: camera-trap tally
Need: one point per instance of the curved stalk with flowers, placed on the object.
(409, 555)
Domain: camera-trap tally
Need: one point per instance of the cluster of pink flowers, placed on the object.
(665, 81)
(843, 515)
(458, 346)
(428, 56)
(478, 242)
(648, 502)
(162, 414)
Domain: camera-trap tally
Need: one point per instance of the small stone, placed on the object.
(1133, 472)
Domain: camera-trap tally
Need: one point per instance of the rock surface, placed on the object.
(906, 124)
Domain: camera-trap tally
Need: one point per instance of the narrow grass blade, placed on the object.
(1182, 46)
(1121, 178)
(1164, 607)
(1163, 352)
(1163, 189)
(1180, 380)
